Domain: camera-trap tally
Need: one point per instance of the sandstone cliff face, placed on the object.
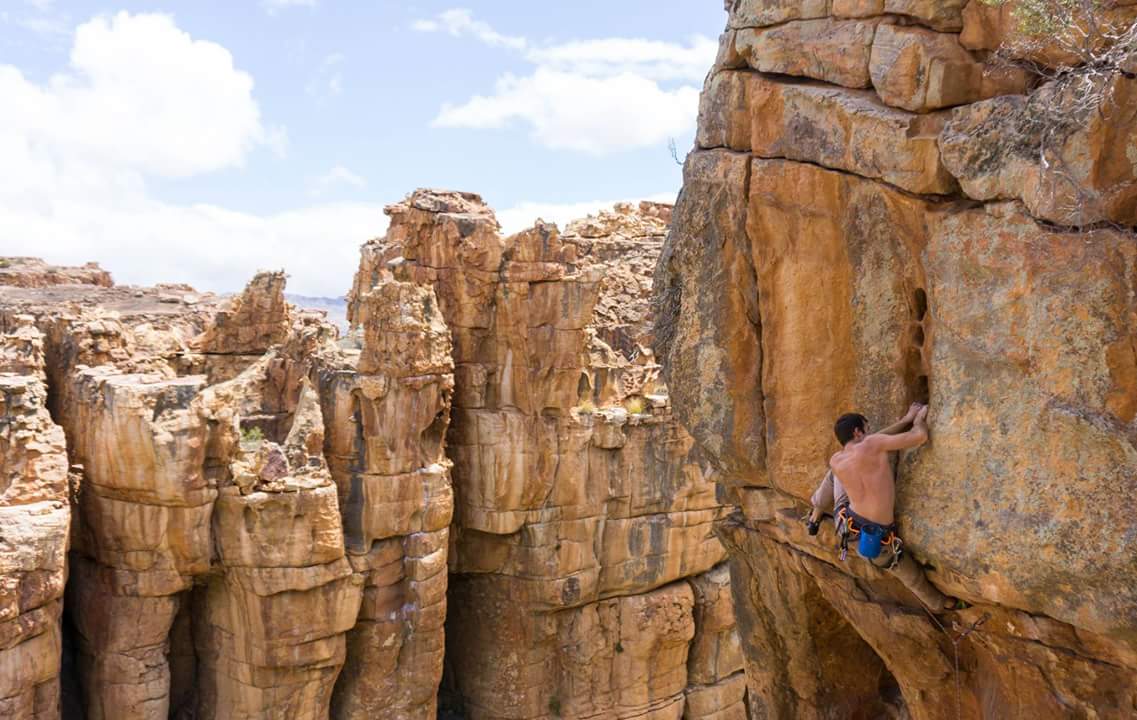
(269, 521)
(864, 223)
(244, 514)
(582, 553)
(34, 516)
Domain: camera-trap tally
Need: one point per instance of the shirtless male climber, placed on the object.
(862, 488)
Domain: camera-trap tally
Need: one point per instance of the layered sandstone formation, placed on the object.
(244, 520)
(267, 520)
(582, 554)
(866, 222)
(31, 272)
(34, 517)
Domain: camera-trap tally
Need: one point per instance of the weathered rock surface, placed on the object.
(28, 272)
(920, 70)
(1067, 172)
(580, 507)
(812, 122)
(223, 562)
(34, 521)
(265, 520)
(822, 260)
(866, 44)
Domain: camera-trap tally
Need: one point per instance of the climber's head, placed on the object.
(850, 427)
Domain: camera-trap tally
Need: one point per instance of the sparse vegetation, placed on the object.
(586, 406)
(619, 646)
(5, 262)
(1079, 48)
(635, 405)
(555, 705)
(252, 435)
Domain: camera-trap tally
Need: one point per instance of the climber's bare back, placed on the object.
(866, 474)
(864, 469)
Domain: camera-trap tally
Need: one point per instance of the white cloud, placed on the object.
(272, 7)
(142, 241)
(141, 95)
(595, 96)
(576, 112)
(339, 175)
(143, 99)
(523, 215)
(460, 22)
(41, 5)
(648, 58)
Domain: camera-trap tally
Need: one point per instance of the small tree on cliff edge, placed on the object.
(1079, 49)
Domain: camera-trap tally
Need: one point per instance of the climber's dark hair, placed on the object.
(846, 424)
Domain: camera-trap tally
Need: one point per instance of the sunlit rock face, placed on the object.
(239, 514)
(252, 505)
(863, 224)
(34, 520)
(583, 515)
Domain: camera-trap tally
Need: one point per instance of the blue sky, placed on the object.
(199, 141)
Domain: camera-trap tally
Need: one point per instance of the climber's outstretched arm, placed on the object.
(915, 437)
(902, 424)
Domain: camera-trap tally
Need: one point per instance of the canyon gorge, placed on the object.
(562, 473)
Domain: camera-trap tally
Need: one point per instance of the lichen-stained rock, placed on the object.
(706, 320)
(864, 239)
(813, 122)
(123, 628)
(725, 700)
(1077, 291)
(715, 652)
(244, 329)
(386, 417)
(836, 51)
(942, 15)
(146, 502)
(760, 13)
(395, 650)
(607, 531)
(34, 531)
(716, 682)
(921, 70)
(995, 149)
(996, 26)
(801, 280)
(573, 484)
(620, 658)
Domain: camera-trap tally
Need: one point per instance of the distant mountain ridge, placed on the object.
(335, 307)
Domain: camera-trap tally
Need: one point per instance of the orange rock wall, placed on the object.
(582, 549)
(860, 227)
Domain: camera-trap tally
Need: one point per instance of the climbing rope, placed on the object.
(955, 650)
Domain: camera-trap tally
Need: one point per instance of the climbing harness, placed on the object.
(871, 537)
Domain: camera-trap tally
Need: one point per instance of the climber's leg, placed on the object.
(909, 572)
(822, 498)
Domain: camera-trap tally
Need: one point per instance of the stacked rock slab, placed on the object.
(34, 519)
(253, 506)
(582, 552)
(387, 419)
(865, 223)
